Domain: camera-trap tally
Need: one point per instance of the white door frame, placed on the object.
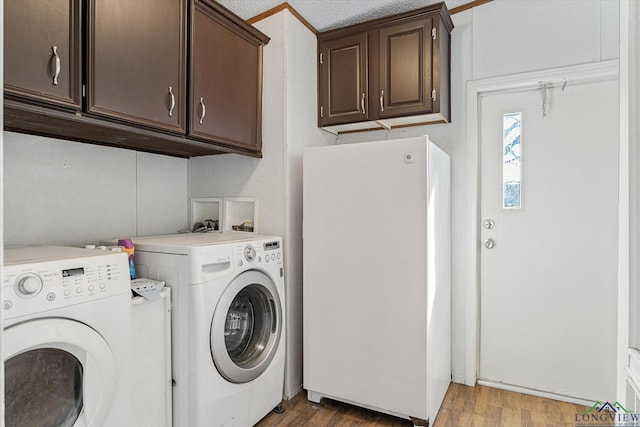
(598, 71)
(629, 81)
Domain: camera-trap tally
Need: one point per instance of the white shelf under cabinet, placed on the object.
(240, 214)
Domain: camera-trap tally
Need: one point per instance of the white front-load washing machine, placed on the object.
(228, 317)
(66, 316)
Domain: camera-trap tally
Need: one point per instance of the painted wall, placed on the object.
(516, 36)
(495, 39)
(67, 193)
(302, 132)
(289, 125)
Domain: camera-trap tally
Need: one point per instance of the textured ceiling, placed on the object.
(329, 14)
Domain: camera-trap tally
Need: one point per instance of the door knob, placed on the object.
(489, 243)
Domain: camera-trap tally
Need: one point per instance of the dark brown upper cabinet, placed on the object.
(226, 78)
(137, 62)
(115, 72)
(405, 69)
(386, 73)
(343, 72)
(45, 67)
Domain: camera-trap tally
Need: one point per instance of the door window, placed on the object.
(512, 161)
(248, 327)
(43, 387)
(62, 370)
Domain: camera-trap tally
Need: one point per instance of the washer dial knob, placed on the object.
(28, 285)
(249, 253)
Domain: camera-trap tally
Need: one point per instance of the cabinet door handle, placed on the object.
(362, 104)
(382, 100)
(56, 62)
(204, 110)
(433, 95)
(173, 101)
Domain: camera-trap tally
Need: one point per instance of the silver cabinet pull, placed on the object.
(382, 100)
(56, 72)
(204, 110)
(173, 101)
(362, 104)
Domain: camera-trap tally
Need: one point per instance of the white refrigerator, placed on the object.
(377, 276)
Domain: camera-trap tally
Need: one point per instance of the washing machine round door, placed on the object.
(57, 372)
(246, 327)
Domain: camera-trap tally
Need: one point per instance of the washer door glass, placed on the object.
(58, 372)
(43, 387)
(246, 327)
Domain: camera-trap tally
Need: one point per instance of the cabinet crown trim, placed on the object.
(264, 39)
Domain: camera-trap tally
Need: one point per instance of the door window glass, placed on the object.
(248, 325)
(511, 161)
(43, 387)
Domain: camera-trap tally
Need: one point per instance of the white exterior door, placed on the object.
(548, 268)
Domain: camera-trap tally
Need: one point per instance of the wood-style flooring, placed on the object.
(463, 406)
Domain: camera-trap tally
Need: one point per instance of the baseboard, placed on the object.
(538, 393)
(293, 393)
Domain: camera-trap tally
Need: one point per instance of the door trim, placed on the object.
(585, 73)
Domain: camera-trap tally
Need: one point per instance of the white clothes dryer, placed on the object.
(66, 316)
(228, 318)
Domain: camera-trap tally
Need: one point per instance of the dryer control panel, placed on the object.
(37, 279)
(258, 252)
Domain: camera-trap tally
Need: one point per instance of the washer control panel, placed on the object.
(37, 285)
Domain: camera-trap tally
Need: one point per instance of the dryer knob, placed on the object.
(249, 253)
(29, 285)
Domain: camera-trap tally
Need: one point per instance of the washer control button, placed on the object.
(51, 296)
(7, 305)
(67, 292)
(78, 290)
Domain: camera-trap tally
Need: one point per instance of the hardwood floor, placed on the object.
(463, 406)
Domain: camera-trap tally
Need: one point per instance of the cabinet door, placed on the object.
(343, 85)
(42, 51)
(137, 61)
(406, 73)
(226, 82)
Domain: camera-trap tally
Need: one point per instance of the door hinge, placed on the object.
(321, 111)
(433, 33)
(321, 58)
(433, 95)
